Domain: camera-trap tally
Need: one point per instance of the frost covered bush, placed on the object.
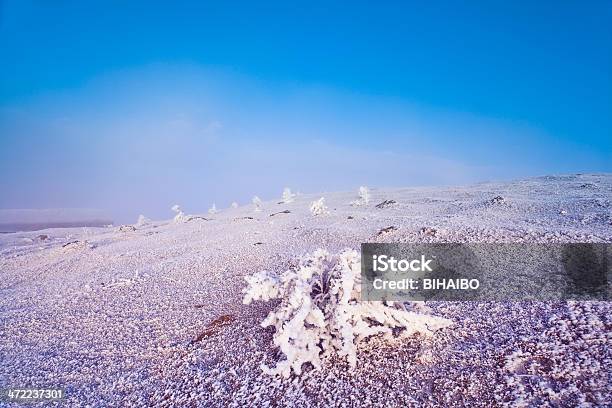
(288, 196)
(142, 221)
(364, 194)
(318, 207)
(213, 209)
(180, 215)
(364, 197)
(320, 313)
(258, 204)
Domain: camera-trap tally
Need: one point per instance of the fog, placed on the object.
(138, 141)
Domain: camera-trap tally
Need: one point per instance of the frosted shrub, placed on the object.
(234, 205)
(262, 286)
(288, 196)
(180, 215)
(318, 207)
(258, 204)
(364, 194)
(364, 197)
(320, 313)
(213, 209)
(142, 221)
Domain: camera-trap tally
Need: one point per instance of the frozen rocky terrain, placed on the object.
(152, 315)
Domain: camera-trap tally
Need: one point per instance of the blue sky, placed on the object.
(217, 101)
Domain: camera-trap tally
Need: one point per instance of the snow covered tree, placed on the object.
(213, 209)
(318, 207)
(180, 215)
(288, 196)
(142, 221)
(364, 197)
(258, 204)
(234, 205)
(364, 194)
(320, 313)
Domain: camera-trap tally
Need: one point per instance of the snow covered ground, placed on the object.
(153, 315)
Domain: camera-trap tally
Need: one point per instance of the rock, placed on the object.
(428, 231)
(127, 228)
(280, 212)
(197, 217)
(386, 204)
(498, 200)
(387, 230)
(243, 218)
(77, 245)
(42, 237)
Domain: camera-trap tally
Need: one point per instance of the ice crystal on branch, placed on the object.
(318, 207)
(320, 312)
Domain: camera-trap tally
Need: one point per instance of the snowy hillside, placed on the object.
(152, 314)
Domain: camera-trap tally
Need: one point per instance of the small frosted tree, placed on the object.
(258, 204)
(234, 205)
(288, 196)
(142, 221)
(318, 207)
(320, 313)
(180, 215)
(364, 194)
(364, 197)
(213, 209)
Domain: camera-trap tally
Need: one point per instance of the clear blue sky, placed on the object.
(147, 100)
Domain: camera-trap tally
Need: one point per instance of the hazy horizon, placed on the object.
(195, 107)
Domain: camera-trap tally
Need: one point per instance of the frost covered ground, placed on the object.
(153, 316)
